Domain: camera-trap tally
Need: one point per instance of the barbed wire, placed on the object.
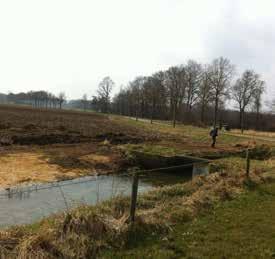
(9, 192)
(58, 184)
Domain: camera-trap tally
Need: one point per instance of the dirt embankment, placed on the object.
(28, 126)
(48, 145)
(54, 163)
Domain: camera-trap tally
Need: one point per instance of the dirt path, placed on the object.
(252, 137)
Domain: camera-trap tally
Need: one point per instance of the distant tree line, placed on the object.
(193, 93)
(38, 99)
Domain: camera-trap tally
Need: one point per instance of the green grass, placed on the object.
(152, 149)
(188, 132)
(240, 228)
(238, 164)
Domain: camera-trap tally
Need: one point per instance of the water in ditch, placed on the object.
(27, 204)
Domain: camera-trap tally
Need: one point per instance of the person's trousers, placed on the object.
(213, 141)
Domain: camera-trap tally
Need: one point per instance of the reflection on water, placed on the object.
(30, 203)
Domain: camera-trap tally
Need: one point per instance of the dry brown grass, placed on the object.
(21, 121)
(47, 164)
(255, 133)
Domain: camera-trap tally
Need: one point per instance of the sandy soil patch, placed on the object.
(30, 167)
(61, 163)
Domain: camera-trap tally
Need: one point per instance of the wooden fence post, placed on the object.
(134, 197)
(247, 163)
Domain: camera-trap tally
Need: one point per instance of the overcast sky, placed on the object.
(65, 45)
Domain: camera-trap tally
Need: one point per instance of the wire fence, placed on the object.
(10, 192)
(26, 204)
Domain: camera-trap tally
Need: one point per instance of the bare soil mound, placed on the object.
(30, 127)
(119, 138)
(48, 139)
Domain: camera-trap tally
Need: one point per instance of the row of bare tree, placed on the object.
(182, 90)
(38, 99)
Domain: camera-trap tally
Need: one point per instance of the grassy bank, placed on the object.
(239, 228)
(162, 215)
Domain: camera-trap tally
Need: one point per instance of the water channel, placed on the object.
(27, 204)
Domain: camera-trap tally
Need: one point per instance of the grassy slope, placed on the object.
(188, 132)
(186, 139)
(240, 228)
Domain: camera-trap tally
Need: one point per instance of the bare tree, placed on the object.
(220, 75)
(136, 88)
(61, 99)
(152, 93)
(84, 101)
(258, 101)
(205, 94)
(160, 93)
(244, 90)
(193, 74)
(176, 88)
(104, 92)
(51, 100)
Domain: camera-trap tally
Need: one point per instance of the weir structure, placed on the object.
(181, 164)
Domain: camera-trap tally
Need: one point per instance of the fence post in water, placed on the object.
(247, 163)
(134, 197)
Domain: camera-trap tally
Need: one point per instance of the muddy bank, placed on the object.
(119, 138)
(67, 138)
(48, 139)
(257, 152)
(27, 164)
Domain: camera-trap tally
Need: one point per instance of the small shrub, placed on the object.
(180, 214)
(260, 152)
(169, 192)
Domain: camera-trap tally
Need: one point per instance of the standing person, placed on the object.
(214, 134)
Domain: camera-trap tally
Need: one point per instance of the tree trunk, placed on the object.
(202, 112)
(152, 113)
(242, 120)
(174, 115)
(257, 118)
(216, 111)
(137, 113)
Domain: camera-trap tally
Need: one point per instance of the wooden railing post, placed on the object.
(134, 197)
(247, 163)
